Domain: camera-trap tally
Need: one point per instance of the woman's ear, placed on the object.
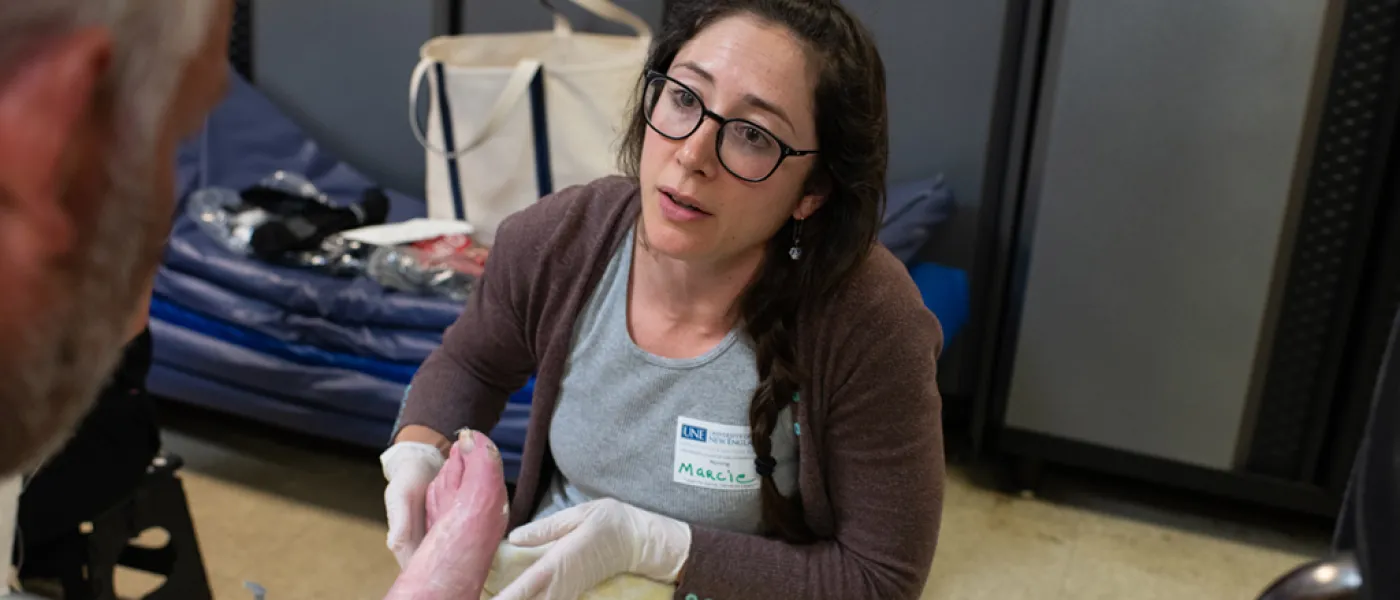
(813, 196)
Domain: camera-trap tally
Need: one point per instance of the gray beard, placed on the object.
(52, 379)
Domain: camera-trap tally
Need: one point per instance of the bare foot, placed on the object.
(467, 514)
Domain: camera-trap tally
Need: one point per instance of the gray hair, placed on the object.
(51, 381)
(153, 39)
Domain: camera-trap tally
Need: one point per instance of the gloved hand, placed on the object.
(593, 542)
(410, 468)
(467, 516)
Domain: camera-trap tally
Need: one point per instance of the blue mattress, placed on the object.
(327, 401)
(245, 139)
(380, 342)
(345, 301)
(301, 354)
(318, 354)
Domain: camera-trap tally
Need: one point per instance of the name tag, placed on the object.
(714, 456)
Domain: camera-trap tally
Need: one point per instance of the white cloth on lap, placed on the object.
(511, 561)
(10, 489)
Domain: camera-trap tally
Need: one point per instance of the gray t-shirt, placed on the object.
(665, 435)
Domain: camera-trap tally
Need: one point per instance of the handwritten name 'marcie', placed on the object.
(722, 476)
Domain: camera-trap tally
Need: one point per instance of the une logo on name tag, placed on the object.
(691, 432)
(713, 456)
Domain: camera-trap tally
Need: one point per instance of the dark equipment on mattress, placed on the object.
(302, 224)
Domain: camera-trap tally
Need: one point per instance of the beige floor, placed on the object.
(305, 521)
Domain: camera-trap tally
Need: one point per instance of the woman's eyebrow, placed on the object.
(762, 104)
(697, 69)
(749, 99)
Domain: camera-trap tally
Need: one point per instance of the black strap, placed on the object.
(544, 172)
(765, 465)
(454, 182)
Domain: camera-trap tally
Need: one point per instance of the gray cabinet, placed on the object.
(1187, 238)
(1163, 174)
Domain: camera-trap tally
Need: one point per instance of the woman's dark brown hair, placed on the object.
(853, 137)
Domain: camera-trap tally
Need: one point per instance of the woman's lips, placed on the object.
(680, 208)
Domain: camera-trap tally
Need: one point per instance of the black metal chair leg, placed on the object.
(168, 508)
(150, 560)
(86, 563)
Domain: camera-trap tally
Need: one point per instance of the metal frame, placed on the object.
(240, 48)
(1291, 495)
(456, 16)
(1327, 262)
(1368, 524)
(996, 288)
(1379, 302)
(1268, 338)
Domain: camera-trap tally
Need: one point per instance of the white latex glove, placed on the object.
(409, 467)
(590, 543)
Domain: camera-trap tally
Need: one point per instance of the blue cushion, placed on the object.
(945, 291)
(304, 354)
(912, 210)
(524, 395)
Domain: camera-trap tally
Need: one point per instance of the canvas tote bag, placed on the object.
(515, 116)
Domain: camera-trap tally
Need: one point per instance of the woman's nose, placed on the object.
(697, 152)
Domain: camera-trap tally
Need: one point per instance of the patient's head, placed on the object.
(94, 97)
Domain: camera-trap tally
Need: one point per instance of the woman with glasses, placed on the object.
(735, 389)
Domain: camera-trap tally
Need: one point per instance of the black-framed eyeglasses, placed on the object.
(746, 149)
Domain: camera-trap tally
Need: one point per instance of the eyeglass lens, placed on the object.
(746, 150)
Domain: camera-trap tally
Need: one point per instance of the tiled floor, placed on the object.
(1085, 539)
(305, 520)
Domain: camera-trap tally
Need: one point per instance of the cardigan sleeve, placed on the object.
(520, 308)
(884, 470)
(485, 354)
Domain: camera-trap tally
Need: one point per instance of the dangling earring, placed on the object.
(796, 251)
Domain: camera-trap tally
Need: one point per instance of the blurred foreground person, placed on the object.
(95, 95)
